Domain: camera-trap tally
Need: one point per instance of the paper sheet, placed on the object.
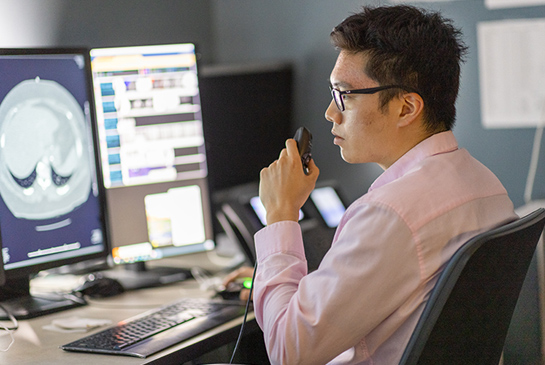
(496, 4)
(512, 72)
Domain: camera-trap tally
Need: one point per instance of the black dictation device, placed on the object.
(303, 137)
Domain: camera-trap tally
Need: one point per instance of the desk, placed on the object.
(34, 345)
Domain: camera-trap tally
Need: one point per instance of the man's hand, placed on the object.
(240, 273)
(284, 187)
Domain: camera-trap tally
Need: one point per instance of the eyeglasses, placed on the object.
(338, 94)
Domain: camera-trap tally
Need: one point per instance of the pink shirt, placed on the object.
(362, 304)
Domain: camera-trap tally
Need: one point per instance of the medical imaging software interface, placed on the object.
(49, 203)
(152, 150)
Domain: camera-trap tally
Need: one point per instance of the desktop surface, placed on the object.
(34, 344)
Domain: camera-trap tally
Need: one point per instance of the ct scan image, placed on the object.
(45, 151)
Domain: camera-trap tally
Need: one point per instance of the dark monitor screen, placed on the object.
(52, 210)
(152, 152)
(248, 115)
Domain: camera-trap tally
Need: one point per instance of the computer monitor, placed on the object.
(52, 209)
(153, 156)
(248, 114)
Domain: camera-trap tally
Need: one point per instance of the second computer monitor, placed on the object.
(152, 150)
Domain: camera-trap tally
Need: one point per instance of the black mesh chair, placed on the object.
(467, 316)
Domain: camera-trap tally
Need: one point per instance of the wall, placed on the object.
(104, 23)
(27, 23)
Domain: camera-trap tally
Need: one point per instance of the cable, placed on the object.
(245, 315)
(224, 262)
(9, 330)
(534, 159)
(533, 165)
(11, 318)
(205, 281)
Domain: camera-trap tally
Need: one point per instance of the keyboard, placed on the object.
(159, 328)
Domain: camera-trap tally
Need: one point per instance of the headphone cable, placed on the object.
(245, 314)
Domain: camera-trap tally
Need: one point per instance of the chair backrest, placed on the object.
(468, 313)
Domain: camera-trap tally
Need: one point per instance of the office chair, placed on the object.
(468, 313)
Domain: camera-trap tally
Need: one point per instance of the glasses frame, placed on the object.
(337, 94)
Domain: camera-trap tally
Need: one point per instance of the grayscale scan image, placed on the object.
(45, 153)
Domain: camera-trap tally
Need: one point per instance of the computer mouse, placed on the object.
(231, 291)
(99, 286)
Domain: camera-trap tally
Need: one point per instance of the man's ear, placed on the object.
(412, 107)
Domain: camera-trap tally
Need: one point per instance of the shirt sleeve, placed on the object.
(369, 272)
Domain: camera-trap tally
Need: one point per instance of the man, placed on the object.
(394, 87)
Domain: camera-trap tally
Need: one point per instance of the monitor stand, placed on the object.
(138, 275)
(16, 298)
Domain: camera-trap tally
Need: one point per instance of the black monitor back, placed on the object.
(247, 113)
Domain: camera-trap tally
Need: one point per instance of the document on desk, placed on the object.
(511, 73)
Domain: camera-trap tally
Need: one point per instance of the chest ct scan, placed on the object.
(45, 153)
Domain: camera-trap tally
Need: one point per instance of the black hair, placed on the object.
(411, 47)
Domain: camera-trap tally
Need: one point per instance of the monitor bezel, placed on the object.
(29, 270)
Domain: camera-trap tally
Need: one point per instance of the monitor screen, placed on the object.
(152, 151)
(248, 114)
(52, 210)
(329, 204)
(261, 212)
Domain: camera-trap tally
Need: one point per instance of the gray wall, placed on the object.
(104, 23)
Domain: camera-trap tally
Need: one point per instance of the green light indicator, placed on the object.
(247, 283)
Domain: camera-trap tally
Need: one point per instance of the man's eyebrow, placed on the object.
(339, 84)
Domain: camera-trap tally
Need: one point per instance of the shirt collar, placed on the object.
(436, 144)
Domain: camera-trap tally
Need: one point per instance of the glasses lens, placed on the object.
(338, 99)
